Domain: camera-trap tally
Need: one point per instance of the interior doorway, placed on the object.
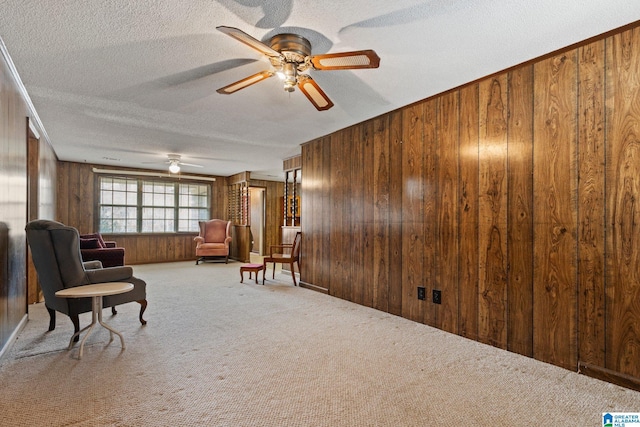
(257, 209)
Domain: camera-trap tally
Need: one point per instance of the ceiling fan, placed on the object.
(174, 162)
(290, 56)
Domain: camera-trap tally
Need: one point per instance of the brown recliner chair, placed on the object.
(55, 249)
(214, 239)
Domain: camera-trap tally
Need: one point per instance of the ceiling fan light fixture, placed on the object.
(174, 167)
(290, 76)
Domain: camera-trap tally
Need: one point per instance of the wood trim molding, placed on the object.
(313, 287)
(610, 376)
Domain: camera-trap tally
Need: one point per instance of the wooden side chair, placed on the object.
(284, 258)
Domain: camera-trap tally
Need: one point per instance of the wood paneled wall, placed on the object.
(13, 204)
(514, 195)
(76, 207)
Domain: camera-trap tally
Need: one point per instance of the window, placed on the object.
(158, 202)
(134, 205)
(118, 205)
(193, 206)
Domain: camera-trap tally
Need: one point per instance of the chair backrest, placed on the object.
(55, 249)
(215, 230)
(295, 247)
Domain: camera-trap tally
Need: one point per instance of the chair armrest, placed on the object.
(92, 265)
(110, 244)
(198, 240)
(109, 274)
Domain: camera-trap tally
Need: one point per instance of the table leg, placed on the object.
(90, 326)
(96, 317)
(94, 305)
(111, 330)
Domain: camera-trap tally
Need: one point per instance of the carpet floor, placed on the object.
(216, 352)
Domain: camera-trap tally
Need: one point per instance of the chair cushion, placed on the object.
(94, 236)
(89, 243)
(212, 246)
(215, 233)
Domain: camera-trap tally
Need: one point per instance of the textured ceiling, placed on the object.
(124, 83)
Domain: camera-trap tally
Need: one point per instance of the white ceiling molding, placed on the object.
(35, 124)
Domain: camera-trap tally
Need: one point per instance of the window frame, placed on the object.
(140, 181)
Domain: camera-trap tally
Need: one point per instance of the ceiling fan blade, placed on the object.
(247, 81)
(190, 164)
(245, 38)
(310, 88)
(346, 60)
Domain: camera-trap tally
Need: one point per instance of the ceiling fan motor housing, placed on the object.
(295, 48)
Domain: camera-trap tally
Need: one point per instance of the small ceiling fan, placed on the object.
(174, 162)
(290, 56)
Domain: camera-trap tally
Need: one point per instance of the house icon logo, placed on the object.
(607, 420)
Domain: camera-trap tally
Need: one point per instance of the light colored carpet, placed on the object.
(220, 353)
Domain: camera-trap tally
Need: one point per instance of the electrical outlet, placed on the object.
(437, 296)
(421, 293)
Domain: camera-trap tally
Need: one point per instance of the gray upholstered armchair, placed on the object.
(55, 249)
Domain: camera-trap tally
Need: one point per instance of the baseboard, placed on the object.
(12, 339)
(609, 376)
(313, 287)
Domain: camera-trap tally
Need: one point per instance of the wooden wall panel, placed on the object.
(591, 221)
(492, 212)
(381, 240)
(327, 206)
(62, 184)
(622, 207)
(520, 212)
(447, 212)
(555, 187)
(338, 185)
(367, 141)
(345, 271)
(413, 212)
(431, 196)
(395, 213)
(356, 239)
(33, 153)
(308, 186)
(312, 188)
(468, 209)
